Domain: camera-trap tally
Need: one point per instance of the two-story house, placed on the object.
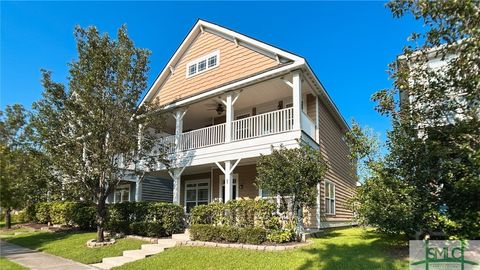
(232, 98)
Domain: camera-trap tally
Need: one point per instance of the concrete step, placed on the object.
(153, 247)
(181, 236)
(167, 243)
(117, 261)
(138, 254)
(102, 265)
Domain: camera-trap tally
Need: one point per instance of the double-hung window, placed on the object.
(122, 194)
(329, 198)
(203, 63)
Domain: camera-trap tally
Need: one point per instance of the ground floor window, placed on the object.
(121, 194)
(329, 198)
(234, 186)
(197, 192)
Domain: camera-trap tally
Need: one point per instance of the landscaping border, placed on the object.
(279, 247)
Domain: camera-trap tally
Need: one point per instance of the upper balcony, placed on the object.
(244, 123)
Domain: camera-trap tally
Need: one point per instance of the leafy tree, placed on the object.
(22, 178)
(434, 147)
(91, 131)
(293, 174)
(383, 200)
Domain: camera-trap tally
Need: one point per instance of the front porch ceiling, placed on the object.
(202, 114)
(206, 168)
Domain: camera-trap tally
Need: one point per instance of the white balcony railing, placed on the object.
(262, 124)
(201, 137)
(242, 129)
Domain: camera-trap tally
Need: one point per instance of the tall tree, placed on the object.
(435, 142)
(293, 174)
(22, 179)
(91, 131)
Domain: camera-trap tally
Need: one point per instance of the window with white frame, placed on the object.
(197, 192)
(265, 193)
(329, 198)
(203, 63)
(121, 194)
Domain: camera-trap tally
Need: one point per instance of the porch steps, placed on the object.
(133, 255)
(181, 237)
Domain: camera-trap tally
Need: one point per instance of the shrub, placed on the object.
(237, 213)
(170, 216)
(61, 212)
(228, 234)
(30, 213)
(83, 215)
(204, 232)
(254, 235)
(145, 218)
(280, 236)
(42, 212)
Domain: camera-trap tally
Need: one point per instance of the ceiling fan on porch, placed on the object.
(218, 108)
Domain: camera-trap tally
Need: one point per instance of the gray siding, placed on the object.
(157, 189)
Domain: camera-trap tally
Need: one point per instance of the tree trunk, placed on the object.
(8, 218)
(299, 220)
(101, 217)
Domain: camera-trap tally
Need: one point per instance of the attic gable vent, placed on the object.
(203, 63)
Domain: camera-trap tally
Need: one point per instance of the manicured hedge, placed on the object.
(146, 218)
(242, 221)
(139, 218)
(80, 214)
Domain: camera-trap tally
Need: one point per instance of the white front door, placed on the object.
(197, 192)
(235, 185)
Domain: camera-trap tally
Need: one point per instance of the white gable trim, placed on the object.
(242, 40)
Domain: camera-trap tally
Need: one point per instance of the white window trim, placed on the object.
(115, 193)
(221, 183)
(205, 57)
(329, 198)
(196, 188)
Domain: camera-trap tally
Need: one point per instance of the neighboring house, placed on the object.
(437, 63)
(232, 97)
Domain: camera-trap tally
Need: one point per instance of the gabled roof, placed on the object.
(200, 26)
(289, 61)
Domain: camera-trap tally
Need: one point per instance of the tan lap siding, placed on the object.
(235, 62)
(341, 172)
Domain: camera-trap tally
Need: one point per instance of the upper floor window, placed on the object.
(203, 63)
(329, 198)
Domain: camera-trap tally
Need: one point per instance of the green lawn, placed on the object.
(9, 265)
(345, 249)
(71, 245)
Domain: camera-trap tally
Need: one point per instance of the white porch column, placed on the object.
(178, 115)
(297, 99)
(228, 181)
(138, 188)
(318, 205)
(229, 102)
(228, 170)
(228, 122)
(176, 176)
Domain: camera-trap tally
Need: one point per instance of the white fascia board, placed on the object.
(199, 27)
(252, 41)
(324, 93)
(166, 71)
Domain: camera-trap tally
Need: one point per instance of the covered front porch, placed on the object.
(204, 184)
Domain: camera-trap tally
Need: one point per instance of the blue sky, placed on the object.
(348, 44)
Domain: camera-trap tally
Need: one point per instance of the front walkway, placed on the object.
(38, 260)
